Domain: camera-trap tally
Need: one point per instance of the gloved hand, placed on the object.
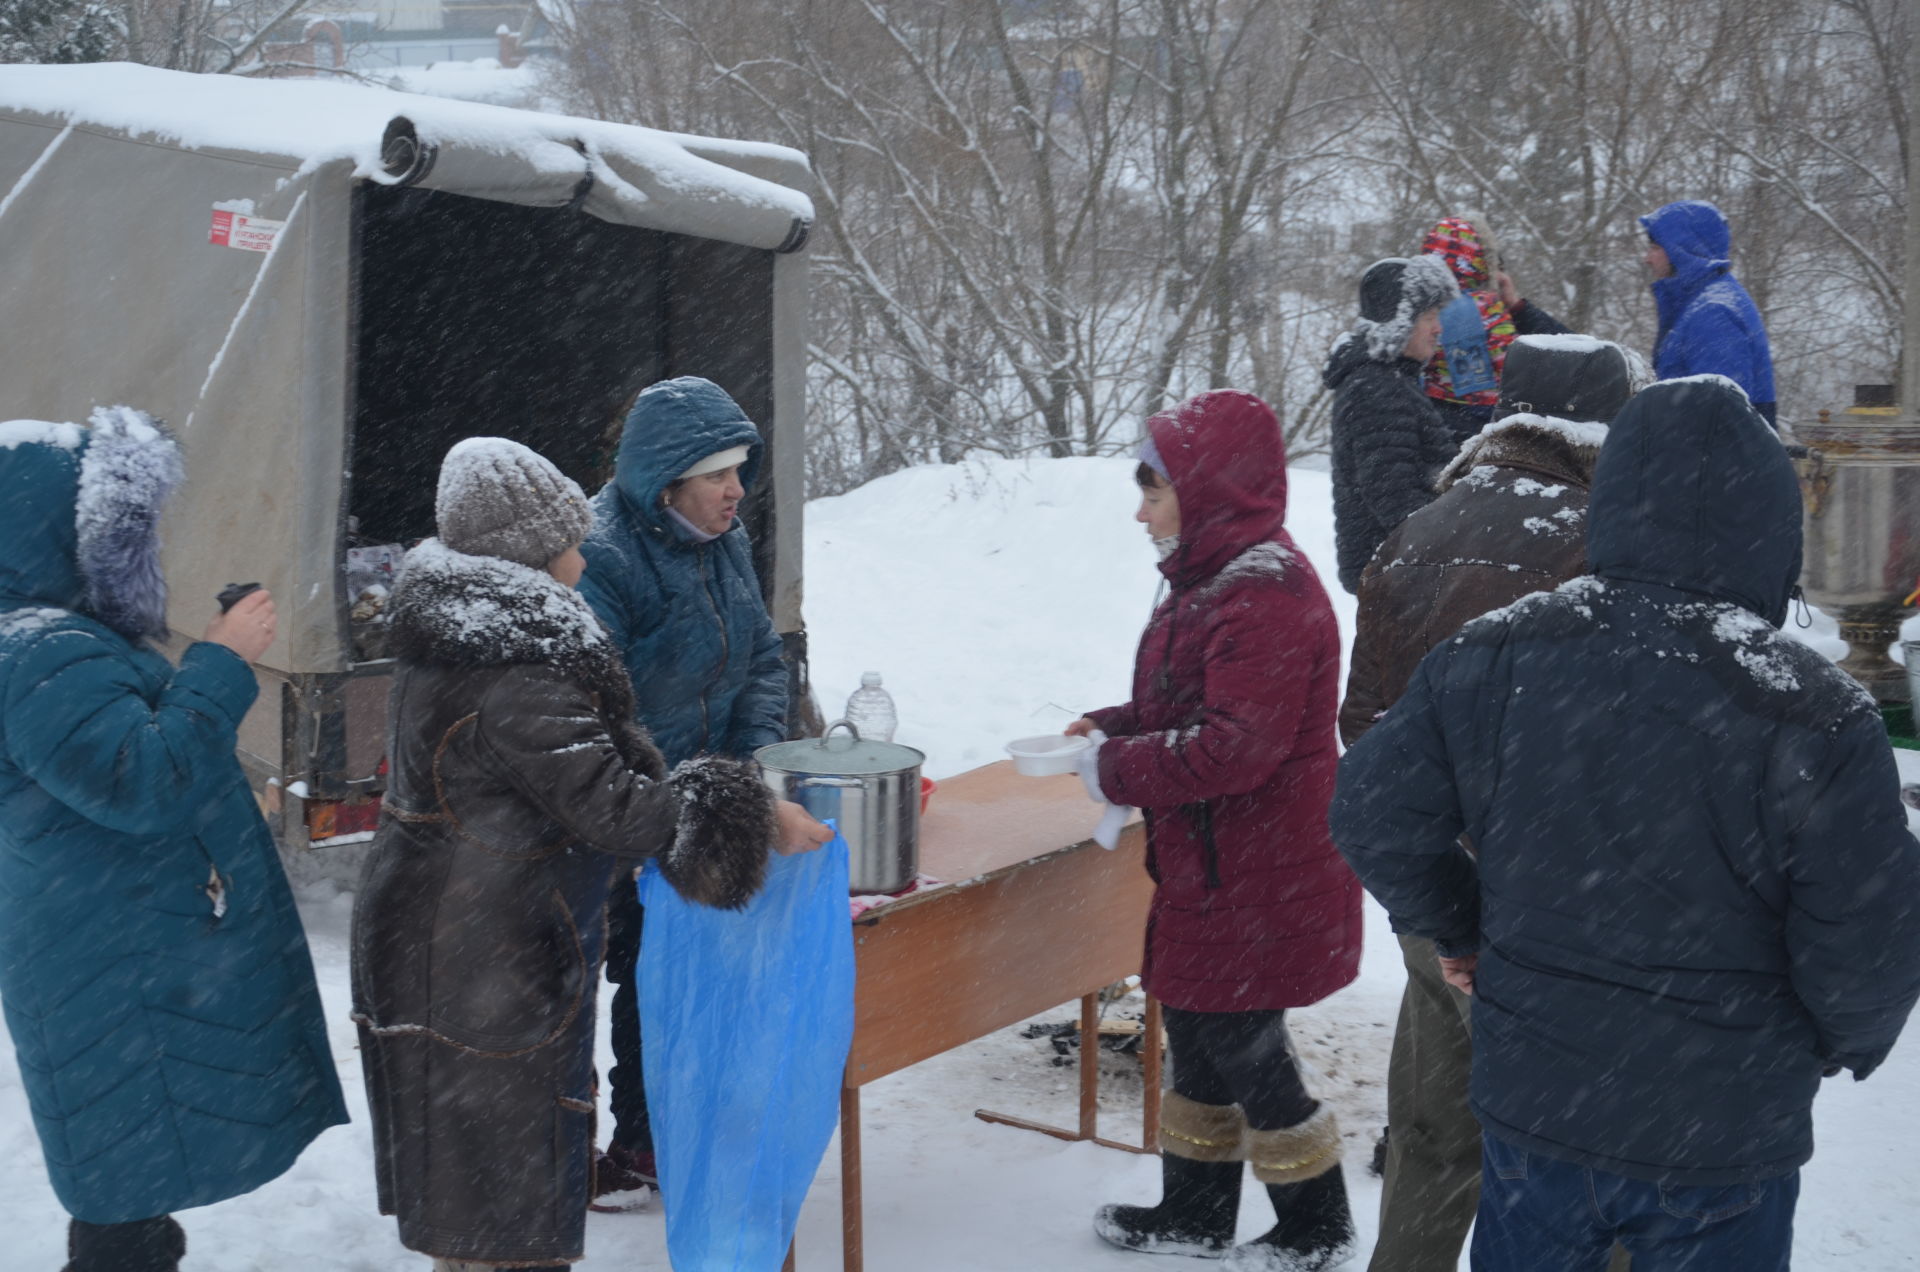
(1088, 763)
(1107, 833)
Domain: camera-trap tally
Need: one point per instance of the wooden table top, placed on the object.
(992, 819)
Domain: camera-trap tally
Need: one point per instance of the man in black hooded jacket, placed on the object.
(1693, 887)
(1387, 438)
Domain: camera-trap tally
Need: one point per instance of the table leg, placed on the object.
(1090, 1067)
(1090, 1087)
(851, 1237)
(1150, 1057)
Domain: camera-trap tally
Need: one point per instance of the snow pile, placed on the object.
(999, 598)
(481, 80)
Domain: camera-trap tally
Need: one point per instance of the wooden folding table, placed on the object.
(1031, 914)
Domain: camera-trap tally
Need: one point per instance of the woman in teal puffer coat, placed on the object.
(153, 971)
(670, 572)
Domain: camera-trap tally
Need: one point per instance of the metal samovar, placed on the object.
(1860, 488)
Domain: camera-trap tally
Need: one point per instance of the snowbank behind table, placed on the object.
(1000, 598)
(123, 192)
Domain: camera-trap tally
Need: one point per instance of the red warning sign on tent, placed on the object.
(246, 233)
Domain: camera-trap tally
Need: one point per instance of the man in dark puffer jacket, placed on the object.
(1511, 519)
(1388, 438)
(1694, 881)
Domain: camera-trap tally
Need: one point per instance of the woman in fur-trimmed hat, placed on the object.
(520, 787)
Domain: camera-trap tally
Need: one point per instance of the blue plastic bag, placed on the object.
(746, 1017)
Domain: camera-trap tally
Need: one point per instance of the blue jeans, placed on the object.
(1537, 1213)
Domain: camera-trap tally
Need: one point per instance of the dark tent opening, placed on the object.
(478, 318)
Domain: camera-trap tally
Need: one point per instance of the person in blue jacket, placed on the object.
(1690, 890)
(670, 572)
(154, 973)
(1708, 323)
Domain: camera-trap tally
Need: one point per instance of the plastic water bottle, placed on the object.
(870, 710)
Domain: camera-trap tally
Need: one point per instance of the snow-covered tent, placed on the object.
(322, 286)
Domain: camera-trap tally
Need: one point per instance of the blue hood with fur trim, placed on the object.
(83, 507)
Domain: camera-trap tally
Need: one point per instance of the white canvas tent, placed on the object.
(321, 286)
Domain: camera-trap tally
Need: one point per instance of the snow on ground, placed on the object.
(999, 599)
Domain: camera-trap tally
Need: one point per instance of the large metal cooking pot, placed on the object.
(871, 790)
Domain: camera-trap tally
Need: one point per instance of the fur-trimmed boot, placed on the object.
(1300, 1165)
(147, 1245)
(1200, 1156)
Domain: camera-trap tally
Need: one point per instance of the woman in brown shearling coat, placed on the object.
(521, 793)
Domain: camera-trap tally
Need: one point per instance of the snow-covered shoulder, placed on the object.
(1578, 435)
(1269, 561)
(1710, 377)
(1778, 662)
(1575, 596)
(1587, 434)
(31, 621)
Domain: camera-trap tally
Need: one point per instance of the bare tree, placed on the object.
(1040, 220)
(219, 36)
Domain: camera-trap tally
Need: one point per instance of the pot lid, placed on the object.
(842, 755)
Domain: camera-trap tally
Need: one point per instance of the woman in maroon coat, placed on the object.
(1228, 747)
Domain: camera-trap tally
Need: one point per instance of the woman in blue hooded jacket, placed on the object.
(1708, 322)
(154, 972)
(670, 572)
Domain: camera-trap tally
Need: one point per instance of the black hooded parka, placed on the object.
(1694, 885)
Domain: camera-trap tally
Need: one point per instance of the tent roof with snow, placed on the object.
(738, 192)
(323, 286)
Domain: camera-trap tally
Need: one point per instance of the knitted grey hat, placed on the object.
(498, 498)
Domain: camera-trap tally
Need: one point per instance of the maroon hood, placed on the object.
(1228, 466)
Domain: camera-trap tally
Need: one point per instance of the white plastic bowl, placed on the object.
(1047, 756)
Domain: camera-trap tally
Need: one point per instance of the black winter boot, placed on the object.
(146, 1245)
(1315, 1229)
(1300, 1165)
(1199, 1205)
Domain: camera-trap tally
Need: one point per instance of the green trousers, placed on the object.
(1432, 1184)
